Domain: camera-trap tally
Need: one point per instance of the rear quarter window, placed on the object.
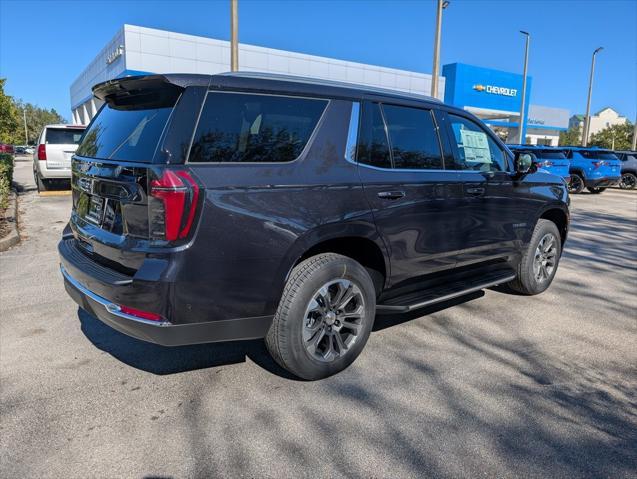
(254, 128)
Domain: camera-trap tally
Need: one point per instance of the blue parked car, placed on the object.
(629, 169)
(547, 158)
(592, 168)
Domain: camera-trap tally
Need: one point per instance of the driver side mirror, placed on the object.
(523, 163)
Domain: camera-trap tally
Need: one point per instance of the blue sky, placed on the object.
(44, 45)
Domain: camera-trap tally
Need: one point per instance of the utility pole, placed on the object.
(522, 104)
(634, 146)
(26, 135)
(234, 35)
(436, 69)
(587, 118)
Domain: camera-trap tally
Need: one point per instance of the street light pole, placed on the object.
(634, 146)
(523, 102)
(26, 135)
(436, 69)
(587, 118)
(234, 35)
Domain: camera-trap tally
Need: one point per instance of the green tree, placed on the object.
(572, 136)
(36, 119)
(9, 117)
(618, 137)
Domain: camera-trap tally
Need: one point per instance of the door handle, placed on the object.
(475, 191)
(391, 195)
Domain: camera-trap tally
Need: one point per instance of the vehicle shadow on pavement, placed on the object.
(163, 360)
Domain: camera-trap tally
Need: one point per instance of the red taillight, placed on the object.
(193, 203)
(597, 164)
(179, 194)
(140, 314)
(42, 152)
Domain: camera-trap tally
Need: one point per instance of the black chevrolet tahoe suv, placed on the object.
(241, 206)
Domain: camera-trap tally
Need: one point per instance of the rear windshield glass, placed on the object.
(125, 135)
(238, 127)
(607, 156)
(550, 155)
(598, 155)
(63, 136)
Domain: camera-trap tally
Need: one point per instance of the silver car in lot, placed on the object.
(52, 157)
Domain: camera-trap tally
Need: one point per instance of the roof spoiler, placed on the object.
(147, 91)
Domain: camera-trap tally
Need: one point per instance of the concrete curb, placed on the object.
(13, 238)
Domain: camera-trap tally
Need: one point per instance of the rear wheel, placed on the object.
(539, 263)
(628, 181)
(324, 318)
(576, 185)
(595, 191)
(40, 182)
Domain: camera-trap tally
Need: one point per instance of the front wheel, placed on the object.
(538, 265)
(628, 181)
(324, 318)
(595, 191)
(576, 185)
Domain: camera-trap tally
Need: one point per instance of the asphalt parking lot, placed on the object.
(496, 385)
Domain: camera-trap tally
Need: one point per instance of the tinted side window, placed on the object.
(474, 149)
(413, 137)
(238, 127)
(551, 155)
(373, 147)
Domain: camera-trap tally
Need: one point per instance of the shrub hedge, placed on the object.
(6, 175)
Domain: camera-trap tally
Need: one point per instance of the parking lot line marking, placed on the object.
(55, 193)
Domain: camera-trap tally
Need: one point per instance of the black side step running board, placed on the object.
(409, 302)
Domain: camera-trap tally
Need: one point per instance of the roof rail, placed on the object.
(329, 83)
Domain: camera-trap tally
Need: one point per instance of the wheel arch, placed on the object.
(359, 241)
(560, 218)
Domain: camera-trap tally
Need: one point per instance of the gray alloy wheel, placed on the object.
(545, 258)
(576, 184)
(333, 320)
(628, 181)
(324, 318)
(539, 262)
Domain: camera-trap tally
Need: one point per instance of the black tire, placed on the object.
(628, 181)
(526, 281)
(285, 339)
(40, 183)
(576, 185)
(595, 191)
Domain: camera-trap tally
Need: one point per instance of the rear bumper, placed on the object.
(96, 293)
(603, 182)
(52, 173)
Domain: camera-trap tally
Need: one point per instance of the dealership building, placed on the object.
(494, 96)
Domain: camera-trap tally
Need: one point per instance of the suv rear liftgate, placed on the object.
(133, 206)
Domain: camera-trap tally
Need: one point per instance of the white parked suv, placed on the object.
(52, 158)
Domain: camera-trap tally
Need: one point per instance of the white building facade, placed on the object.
(138, 50)
(602, 119)
(544, 125)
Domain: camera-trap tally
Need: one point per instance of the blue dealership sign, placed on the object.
(486, 89)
